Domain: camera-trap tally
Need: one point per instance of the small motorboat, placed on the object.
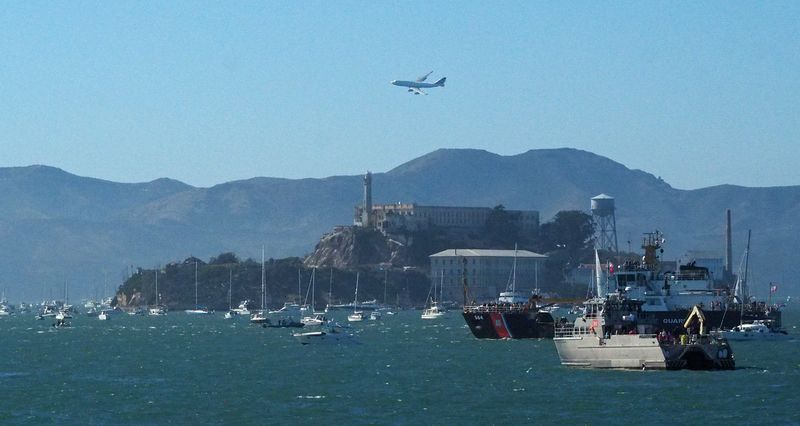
(329, 334)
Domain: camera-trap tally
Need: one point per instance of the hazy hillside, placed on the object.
(57, 227)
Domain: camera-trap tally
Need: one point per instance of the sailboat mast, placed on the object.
(441, 286)
(313, 289)
(514, 272)
(745, 289)
(195, 284)
(156, 285)
(330, 288)
(355, 302)
(263, 282)
(230, 288)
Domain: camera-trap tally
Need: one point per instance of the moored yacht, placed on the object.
(432, 312)
(157, 310)
(433, 309)
(329, 334)
(756, 330)
(259, 317)
(357, 315)
(198, 310)
(243, 308)
(317, 319)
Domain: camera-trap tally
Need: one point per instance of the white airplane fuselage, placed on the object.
(415, 84)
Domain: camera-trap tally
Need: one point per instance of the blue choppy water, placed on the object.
(186, 369)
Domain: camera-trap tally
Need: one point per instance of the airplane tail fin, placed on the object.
(441, 82)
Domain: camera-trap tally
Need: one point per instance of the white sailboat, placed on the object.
(356, 315)
(434, 311)
(330, 292)
(260, 317)
(232, 313)
(5, 309)
(758, 329)
(158, 309)
(198, 310)
(316, 318)
(511, 295)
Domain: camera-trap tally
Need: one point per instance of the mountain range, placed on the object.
(59, 230)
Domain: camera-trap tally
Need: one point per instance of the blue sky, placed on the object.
(207, 92)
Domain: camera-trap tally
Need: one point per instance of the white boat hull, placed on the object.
(432, 313)
(324, 337)
(625, 352)
(743, 336)
(356, 317)
(639, 351)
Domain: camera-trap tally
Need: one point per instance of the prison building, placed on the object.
(391, 218)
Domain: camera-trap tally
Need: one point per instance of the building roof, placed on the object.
(486, 253)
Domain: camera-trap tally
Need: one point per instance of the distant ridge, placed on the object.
(56, 226)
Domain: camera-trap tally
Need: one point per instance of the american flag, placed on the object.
(773, 288)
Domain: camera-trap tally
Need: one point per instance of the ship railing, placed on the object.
(570, 330)
(691, 275)
(494, 307)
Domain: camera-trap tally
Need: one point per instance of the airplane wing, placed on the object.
(421, 79)
(417, 91)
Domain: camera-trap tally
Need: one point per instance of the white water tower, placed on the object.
(605, 232)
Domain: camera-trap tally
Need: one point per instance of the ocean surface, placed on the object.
(183, 369)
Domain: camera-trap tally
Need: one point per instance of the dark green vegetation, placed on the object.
(176, 284)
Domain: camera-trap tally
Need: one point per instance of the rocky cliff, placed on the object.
(350, 247)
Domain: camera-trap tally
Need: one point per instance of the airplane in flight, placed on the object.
(416, 87)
